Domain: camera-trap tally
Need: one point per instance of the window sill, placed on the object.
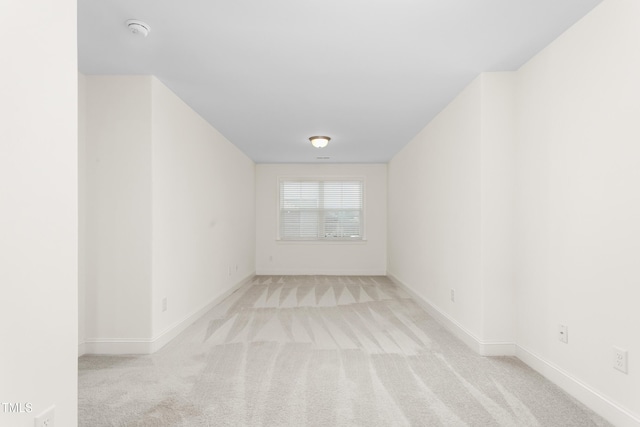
(321, 242)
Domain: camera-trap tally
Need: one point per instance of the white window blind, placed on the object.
(321, 209)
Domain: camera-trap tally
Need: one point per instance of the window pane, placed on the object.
(300, 195)
(342, 195)
(342, 224)
(299, 224)
(321, 210)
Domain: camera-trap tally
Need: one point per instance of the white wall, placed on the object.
(578, 211)
(435, 212)
(497, 209)
(118, 207)
(203, 211)
(169, 206)
(38, 214)
(82, 208)
(451, 193)
(526, 191)
(356, 258)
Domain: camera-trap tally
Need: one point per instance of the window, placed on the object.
(321, 209)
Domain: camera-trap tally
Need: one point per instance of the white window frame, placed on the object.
(325, 239)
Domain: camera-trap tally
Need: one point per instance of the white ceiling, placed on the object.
(269, 74)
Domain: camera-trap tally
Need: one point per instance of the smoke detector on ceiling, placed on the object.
(138, 27)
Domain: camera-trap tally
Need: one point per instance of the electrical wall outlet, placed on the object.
(620, 360)
(453, 295)
(45, 419)
(164, 304)
(563, 333)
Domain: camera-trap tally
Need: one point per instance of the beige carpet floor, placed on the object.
(319, 351)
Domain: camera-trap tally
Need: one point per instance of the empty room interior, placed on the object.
(320, 213)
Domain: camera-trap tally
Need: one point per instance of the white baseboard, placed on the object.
(497, 349)
(121, 346)
(600, 404)
(484, 348)
(605, 407)
(118, 346)
(321, 273)
(174, 330)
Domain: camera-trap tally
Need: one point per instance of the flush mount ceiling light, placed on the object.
(319, 141)
(138, 27)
